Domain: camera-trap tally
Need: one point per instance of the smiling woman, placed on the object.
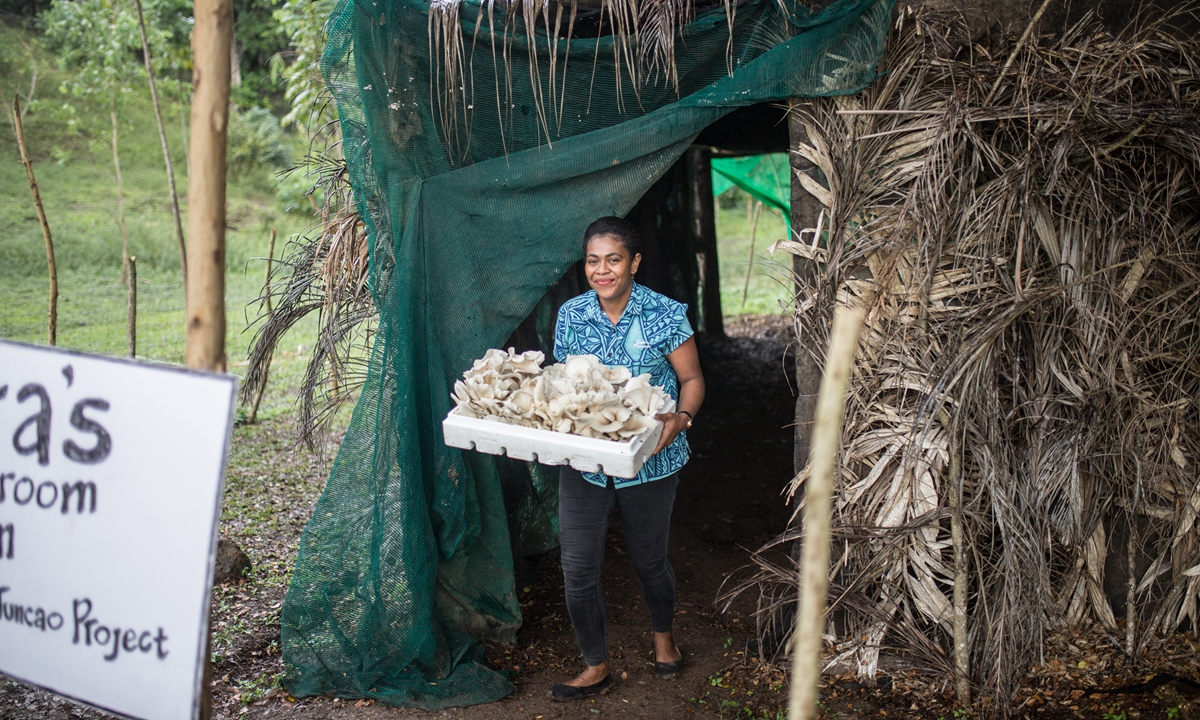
(626, 325)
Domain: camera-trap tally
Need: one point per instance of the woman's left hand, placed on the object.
(673, 424)
(686, 362)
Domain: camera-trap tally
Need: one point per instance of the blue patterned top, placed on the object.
(651, 328)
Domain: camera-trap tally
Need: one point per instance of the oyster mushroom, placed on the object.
(581, 396)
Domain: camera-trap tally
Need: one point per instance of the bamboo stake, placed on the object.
(187, 152)
(262, 386)
(131, 314)
(1016, 49)
(166, 149)
(750, 258)
(818, 501)
(267, 273)
(204, 345)
(120, 194)
(1131, 565)
(52, 269)
(205, 340)
(962, 655)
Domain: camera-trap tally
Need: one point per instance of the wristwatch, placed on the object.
(690, 418)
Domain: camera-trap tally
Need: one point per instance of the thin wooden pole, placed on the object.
(205, 340)
(1013, 55)
(267, 272)
(187, 152)
(962, 655)
(52, 269)
(204, 343)
(131, 314)
(166, 149)
(120, 193)
(750, 256)
(818, 499)
(262, 386)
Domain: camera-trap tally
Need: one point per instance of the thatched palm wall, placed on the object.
(1021, 224)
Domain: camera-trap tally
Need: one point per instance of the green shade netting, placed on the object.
(475, 186)
(766, 178)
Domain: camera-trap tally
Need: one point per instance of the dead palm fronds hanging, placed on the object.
(1020, 224)
(325, 270)
(644, 33)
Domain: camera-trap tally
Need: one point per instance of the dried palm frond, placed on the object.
(325, 270)
(645, 34)
(1025, 246)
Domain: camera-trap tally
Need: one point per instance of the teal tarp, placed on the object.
(476, 169)
(766, 178)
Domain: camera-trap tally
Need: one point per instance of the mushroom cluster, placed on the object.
(581, 396)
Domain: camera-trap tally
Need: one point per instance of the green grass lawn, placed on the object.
(770, 277)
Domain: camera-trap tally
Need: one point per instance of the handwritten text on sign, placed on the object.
(110, 482)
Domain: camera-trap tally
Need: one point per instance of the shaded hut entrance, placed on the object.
(729, 498)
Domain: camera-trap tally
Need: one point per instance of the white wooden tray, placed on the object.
(618, 459)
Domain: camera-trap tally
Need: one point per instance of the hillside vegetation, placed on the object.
(69, 139)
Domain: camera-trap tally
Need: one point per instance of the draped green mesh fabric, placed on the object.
(766, 178)
(475, 185)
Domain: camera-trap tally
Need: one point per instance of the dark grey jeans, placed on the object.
(583, 512)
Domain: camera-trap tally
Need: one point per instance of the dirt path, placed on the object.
(728, 503)
(728, 500)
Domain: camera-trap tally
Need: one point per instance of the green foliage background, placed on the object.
(69, 136)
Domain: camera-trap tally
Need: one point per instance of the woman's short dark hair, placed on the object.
(619, 228)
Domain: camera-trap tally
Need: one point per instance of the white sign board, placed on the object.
(110, 488)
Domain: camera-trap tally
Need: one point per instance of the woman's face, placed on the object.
(609, 268)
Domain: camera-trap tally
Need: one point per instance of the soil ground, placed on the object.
(728, 504)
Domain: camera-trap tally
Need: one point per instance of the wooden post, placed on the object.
(704, 234)
(805, 210)
(818, 502)
(166, 149)
(262, 386)
(52, 269)
(204, 344)
(131, 314)
(750, 257)
(962, 655)
(187, 151)
(205, 340)
(267, 273)
(120, 192)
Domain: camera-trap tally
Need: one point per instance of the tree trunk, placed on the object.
(205, 340)
(52, 269)
(704, 234)
(166, 149)
(204, 343)
(120, 194)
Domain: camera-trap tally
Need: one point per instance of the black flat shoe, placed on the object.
(566, 693)
(668, 670)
